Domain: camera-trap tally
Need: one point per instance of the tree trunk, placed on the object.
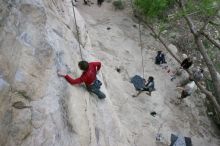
(210, 97)
(202, 50)
(214, 42)
(210, 65)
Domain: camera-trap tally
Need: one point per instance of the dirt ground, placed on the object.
(115, 40)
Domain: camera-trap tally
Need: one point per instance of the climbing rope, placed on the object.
(142, 57)
(77, 31)
(140, 40)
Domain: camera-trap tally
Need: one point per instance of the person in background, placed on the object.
(186, 63)
(88, 77)
(85, 2)
(148, 87)
(99, 2)
(160, 58)
(198, 74)
(74, 3)
(187, 90)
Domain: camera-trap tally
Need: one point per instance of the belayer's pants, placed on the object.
(95, 88)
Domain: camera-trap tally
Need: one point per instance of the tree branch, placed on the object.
(202, 50)
(209, 95)
(162, 42)
(187, 18)
(214, 24)
(214, 42)
(207, 21)
(205, 24)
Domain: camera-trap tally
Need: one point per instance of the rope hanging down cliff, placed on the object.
(140, 39)
(142, 57)
(77, 31)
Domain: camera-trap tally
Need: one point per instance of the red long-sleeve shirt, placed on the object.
(88, 76)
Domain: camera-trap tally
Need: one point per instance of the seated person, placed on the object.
(187, 90)
(198, 74)
(160, 58)
(147, 87)
(186, 63)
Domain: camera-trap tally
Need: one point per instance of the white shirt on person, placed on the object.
(189, 88)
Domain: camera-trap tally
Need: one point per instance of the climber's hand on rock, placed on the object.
(61, 73)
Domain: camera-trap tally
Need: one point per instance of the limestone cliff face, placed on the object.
(37, 38)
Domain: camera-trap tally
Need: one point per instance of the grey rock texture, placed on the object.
(37, 108)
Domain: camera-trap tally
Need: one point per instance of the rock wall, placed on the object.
(37, 107)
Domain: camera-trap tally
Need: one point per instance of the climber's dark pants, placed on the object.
(95, 88)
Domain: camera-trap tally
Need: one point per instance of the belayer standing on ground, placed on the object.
(147, 87)
(88, 77)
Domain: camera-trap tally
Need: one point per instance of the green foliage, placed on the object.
(153, 8)
(204, 7)
(118, 4)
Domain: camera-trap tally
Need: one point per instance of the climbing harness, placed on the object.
(77, 31)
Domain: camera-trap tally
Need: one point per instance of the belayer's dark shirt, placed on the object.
(186, 63)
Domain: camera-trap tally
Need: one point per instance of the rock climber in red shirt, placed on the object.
(88, 77)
